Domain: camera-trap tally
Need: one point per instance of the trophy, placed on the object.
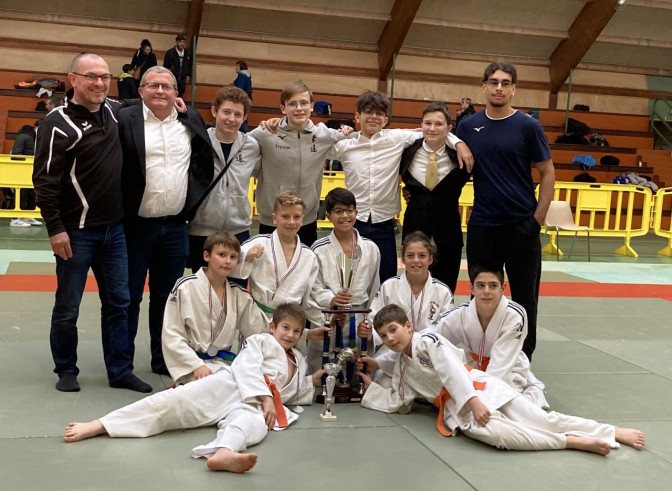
(347, 386)
(332, 370)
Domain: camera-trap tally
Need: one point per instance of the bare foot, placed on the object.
(592, 445)
(228, 460)
(631, 437)
(75, 432)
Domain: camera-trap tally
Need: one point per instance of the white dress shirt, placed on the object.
(167, 157)
(372, 170)
(418, 167)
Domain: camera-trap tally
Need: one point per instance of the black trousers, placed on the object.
(517, 248)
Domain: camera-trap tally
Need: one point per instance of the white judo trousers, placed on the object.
(229, 398)
(205, 402)
(516, 423)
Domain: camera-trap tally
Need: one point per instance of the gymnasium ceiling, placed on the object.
(559, 34)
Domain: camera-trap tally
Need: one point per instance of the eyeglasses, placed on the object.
(164, 87)
(494, 83)
(92, 77)
(295, 104)
(372, 112)
(343, 211)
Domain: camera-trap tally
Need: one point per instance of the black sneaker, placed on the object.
(67, 382)
(131, 382)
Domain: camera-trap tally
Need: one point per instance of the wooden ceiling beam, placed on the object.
(393, 35)
(192, 27)
(583, 32)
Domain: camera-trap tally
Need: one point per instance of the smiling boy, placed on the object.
(473, 402)
(341, 210)
(245, 400)
(205, 311)
(492, 328)
(292, 159)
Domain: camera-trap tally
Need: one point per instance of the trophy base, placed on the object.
(343, 395)
(328, 417)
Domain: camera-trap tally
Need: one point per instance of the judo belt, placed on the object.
(483, 365)
(264, 308)
(277, 402)
(222, 354)
(440, 403)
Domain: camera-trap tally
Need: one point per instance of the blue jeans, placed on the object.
(102, 249)
(382, 234)
(158, 246)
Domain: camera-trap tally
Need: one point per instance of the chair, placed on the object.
(560, 217)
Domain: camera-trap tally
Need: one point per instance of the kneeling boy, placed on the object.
(205, 311)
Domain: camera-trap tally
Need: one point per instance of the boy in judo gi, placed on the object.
(205, 311)
(244, 400)
(479, 405)
(329, 292)
(492, 329)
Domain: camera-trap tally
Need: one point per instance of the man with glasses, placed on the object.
(168, 166)
(77, 178)
(506, 218)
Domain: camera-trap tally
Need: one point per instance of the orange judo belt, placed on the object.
(440, 403)
(277, 402)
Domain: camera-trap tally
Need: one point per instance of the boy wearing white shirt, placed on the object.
(371, 165)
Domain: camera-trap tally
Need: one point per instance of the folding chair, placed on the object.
(560, 217)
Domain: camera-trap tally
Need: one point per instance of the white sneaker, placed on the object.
(32, 221)
(17, 222)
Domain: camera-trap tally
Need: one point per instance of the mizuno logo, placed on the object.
(479, 129)
(282, 137)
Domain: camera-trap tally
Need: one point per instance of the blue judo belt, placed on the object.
(224, 355)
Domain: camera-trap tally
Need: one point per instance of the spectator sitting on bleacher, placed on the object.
(25, 145)
(55, 100)
(126, 85)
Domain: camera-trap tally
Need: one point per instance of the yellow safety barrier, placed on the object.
(608, 209)
(16, 176)
(330, 179)
(663, 196)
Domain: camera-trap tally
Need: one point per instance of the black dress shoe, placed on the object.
(67, 383)
(131, 382)
(163, 370)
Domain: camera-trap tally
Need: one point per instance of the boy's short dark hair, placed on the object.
(288, 198)
(485, 267)
(389, 313)
(241, 65)
(233, 94)
(437, 107)
(503, 66)
(180, 37)
(289, 310)
(339, 196)
(294, 88)
(127, 68)
(226, 239)
(373, 101)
